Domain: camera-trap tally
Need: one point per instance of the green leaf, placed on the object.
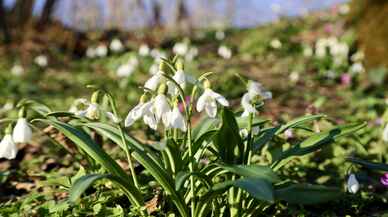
(307, 194)
(182, 176)
(258, 188)
(298, 121)
(83, 140)
(368, 164)
(264, 137)
(228, 137)
(253, 171)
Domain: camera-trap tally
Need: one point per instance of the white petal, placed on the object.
(201, 101)
(92, 112)
(211, 108)
(220, 99)
(113, 117)
(22, 132)
(151, 121)
(8, 148)
(176, 120)
(153, 82)
(353, 185)
(162, 108)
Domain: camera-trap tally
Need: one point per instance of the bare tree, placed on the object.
(3, 23)
(22, 11)
(48, 9)
(156, 14)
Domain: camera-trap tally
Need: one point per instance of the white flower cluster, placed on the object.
(225, 52)
(333, 47)
(102, 49)
(186, 50)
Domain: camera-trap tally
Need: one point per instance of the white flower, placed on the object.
(358, 56)
(255, 89)
(181, 48)
(143, 109)
(353, 184)
(276, 44)
(294, 76)
(153, 82)
(157, 54)
(116, 45)
(224, 52)
(176, 120)
(92, 110)
(220, 35)
(307, 51)
(41, 60)
(344, 9)
(8, 147)
(154, 69)
(17, 70)
(208, 101)
(191, 54)
(101, 50)
(125, 70)
(22, 133)
(162, 109)
(112, 117)
(144, 50)
(289, 133)
(180, 78)
(357, 68)
(385, 133)
(91, 52)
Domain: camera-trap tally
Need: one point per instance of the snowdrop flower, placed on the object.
(144, 50)
(154, 68)
(101, 50)
(8, 147)
(142, 109)
(353, 184)
(125, 70)
(191, 54)
(92, 110)
(116, 45)
(153, 82)
(161, 106)
(176, 120)
(357, 68)
(276, 44)
(157, 54)
(307, 51)
(179, 77)
(255, 90)
(385, 133)
(224, 52)
(17, 70)
(344, 9)
(181, 48)
(244, 132)
(220, 35)
(294, 77)
(91, 52)
(22, 133)
(74, 107)
(208, 101)
(41, 60)
(7, 107)
(339, 50)
(358, 56)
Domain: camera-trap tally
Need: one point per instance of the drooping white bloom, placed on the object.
(385, 133)
(101, 50)
(116, 45)
(208, 101)
(41, 60)
(255, 89)
(154, 68)
(357, 68)
(17, 70)
(162, 109)
(74, 107)
(143, 109)
(8, 147)
(125, 70)
(92, 110)
(22, 132)
(353, 185)
(153, 82)
(180, 78)
(181, 48)
(276, 44)
(91, 52)
(176, 120)
(224, 52)
(144, 50)
(220, 35)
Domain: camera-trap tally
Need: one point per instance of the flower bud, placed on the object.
(353, 184)
(206, 84)
(22, 132)
(179, 64)
(162, 89)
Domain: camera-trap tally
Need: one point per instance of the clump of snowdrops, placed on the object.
(230, 163)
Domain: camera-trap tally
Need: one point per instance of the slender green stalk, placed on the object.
(191, 168)
(128, 153)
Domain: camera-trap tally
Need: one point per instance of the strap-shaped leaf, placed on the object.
(182, 176)
(253, 171)
(368, 164)
(264, 137)
(298, 121)
(307, 194)
(83, 140)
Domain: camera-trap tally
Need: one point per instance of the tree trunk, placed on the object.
(46, 13)
(156, 12)
(4, 24)
(23, 11)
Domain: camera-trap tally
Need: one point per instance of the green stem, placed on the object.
(191, 168)
(127, 152)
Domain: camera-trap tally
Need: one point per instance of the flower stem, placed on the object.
(128, 154)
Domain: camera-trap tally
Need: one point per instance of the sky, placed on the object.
(246, 13)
